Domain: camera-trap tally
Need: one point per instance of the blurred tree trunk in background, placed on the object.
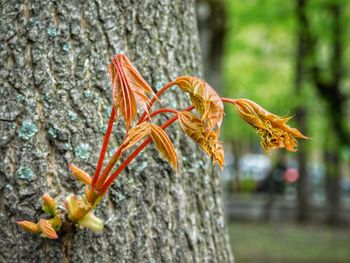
(55, 101)
(274, 184)
(211, 24)
(301, 77)
(332, 184)
(328, 83)
(236, 147)
(326, 79)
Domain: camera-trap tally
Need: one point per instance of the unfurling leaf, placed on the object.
(49, 205)
(272, 129)
(205, 99)
(207, 140)
(56, 222)
(76, 207)
(78, 211)
(164, 145)
(128, 87)
(29, 226)
(80, 174)
(92, 222)
(47, 229)
(136, 134)
(91, 196)
(215, 147)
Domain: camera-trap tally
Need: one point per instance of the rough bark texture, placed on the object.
(55, 102)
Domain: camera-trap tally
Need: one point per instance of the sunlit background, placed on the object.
(291, 57)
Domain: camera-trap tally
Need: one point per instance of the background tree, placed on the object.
(55, 94)
(292, 55)
(328, 77)
(302, 79)
(211, 24)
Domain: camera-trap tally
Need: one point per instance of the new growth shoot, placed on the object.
(201, 121)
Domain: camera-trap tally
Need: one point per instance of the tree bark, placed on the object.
(55, 101)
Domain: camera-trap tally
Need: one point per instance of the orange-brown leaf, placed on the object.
(218, 153)
(272, 129)
(123, 98)
(80, 174)
(128, 88)
(205, 99)
(136, 134)
(137, 84)
(76, 207)
(193, 127)
(164, 145)
(207, 140)
(47, 229)
(29, 226)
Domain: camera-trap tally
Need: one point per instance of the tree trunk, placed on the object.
(333, 191)
(55, 101)
(212, 25)
(302, 54)
(303, 184)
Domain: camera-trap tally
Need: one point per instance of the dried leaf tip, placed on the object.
(273, 130)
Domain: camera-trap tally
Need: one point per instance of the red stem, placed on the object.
(135, 153)
(110, 180)
(153, 100)
(118, 152)
(163, 111)
(109, 167)
(116, 155)
(233, 101)
(104, 147)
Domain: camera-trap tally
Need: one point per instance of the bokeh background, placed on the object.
(291, 57)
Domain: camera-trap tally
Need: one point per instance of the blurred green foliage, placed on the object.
(260, 58)
(247, 185)
(259, 47)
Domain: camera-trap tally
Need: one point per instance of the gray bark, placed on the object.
(55, 102)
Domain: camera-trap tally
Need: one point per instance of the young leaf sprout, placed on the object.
(200, 121)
